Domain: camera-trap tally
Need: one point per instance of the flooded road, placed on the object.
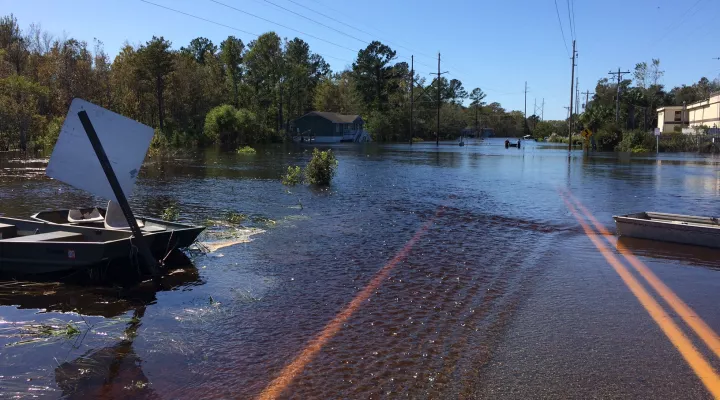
(458, 272)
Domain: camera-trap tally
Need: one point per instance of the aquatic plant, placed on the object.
(247, 150)
(293, 176)
(171, 213)
(235, 217)
(322, 167)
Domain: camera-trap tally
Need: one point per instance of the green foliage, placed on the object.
(227, 125)
(636, 141)
(247, 150)
(322, 167)
(269, 83)
(607, 140)
(235, 217)
(417, 140)
(171, 213)
(293, 176)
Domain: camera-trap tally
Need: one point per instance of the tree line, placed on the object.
(232, 93)
(640, 96)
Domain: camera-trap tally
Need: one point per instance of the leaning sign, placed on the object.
(74, 161)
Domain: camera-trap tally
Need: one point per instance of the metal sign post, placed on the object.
(657, 140)
(119, 195)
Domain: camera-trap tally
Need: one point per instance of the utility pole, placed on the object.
(617, 99)
(572, 92)
(439, 74)
(587, 97)
(577, 95)
(412, 97)
(525, 127)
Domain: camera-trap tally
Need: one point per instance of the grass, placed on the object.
(417, 140)
(247, 150)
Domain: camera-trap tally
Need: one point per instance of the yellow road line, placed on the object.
(705, 332)
(290, 372)
(695, 360)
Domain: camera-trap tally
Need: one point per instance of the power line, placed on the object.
(570, 21)
(678, 22)
(355, 28)
(281, 25)
(572, 5)
(561, 29)
(223, 25)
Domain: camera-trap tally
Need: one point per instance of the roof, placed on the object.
(334, 117)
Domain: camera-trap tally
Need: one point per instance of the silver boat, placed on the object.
(686, 229)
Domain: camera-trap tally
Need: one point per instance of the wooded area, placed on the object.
(236, 93)
(232, 93)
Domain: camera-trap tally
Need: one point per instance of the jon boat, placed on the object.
(33, 247)
(685, 229)
(161, 236)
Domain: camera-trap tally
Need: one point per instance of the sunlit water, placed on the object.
(501, 296)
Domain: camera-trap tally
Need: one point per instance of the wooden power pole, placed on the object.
(439, 74)
(412, 96)
(572, 92)
(617, 98)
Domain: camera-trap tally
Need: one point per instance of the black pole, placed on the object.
(117, 190)
(412, 96)
(437, 134)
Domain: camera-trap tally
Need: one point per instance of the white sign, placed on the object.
(657, 131)
(74, 162)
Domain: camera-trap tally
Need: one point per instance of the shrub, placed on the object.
(171, 213)
(293, 176)
(246, 150)
(606, 140)
(322, 167)
(634, 140)
(227, 125)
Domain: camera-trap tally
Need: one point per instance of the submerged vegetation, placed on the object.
(171, 213)
(321, 168)
(293, 176)
(247, 150)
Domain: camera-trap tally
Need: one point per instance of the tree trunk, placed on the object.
(159, 95)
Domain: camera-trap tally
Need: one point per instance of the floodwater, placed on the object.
(422, 272)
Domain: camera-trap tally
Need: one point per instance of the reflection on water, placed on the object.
(684, 254)
(431, 330)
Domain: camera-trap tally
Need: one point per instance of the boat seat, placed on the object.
(115, 219)
(57, 236)
(7, 231)
(77, 216)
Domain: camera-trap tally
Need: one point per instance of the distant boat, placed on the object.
(685, 229)
(527, 137)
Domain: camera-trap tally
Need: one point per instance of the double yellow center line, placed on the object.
(692, 356)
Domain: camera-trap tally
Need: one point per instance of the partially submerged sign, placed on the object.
(74, 161)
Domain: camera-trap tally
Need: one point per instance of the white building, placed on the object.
(693, 115)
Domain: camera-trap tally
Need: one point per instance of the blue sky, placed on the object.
(494, 45)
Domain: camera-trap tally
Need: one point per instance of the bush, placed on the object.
(322, 167)
(171, 213)
(607, 140)
(293, 176)
(636, 141)
(227, 125)
(247, 150)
